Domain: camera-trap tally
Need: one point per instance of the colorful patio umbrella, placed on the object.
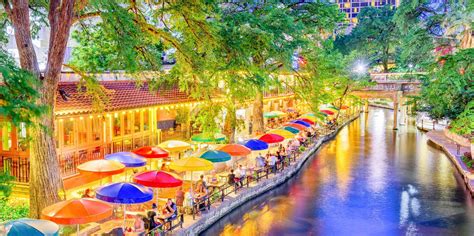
(279, 113)
(322, 113)
(191, 164)
(311, 118)
(31, 227)
(310, 114)
(215, 156)
(77, 211)
(301, 123)
(269, 115)
(271, 138)
(284, 133)
(124, 193)
(290, 129)
(296, 126)
(330, 106)
(175, 146)
(328, 112)
(307, 121)
(151, 152)
(236, 150)
(344, 107)
(256, 145)
(158, 179)
(208, 138)
(129, 159)
(101, 167)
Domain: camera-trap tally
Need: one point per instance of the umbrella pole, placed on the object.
(124, 216)
(77, 229)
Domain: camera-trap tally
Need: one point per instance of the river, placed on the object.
(369, 180)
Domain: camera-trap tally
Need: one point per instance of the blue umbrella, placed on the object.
(129, 159)
(31, 227)
(124, 193)
(291, 129)
(301, 123)
(216, 156)
(256, 145)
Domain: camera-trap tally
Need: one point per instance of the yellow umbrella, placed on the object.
(192, 164)
(175, 145)
(282, 132)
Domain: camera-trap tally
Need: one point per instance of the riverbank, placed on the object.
(247, 194)
(438, 138)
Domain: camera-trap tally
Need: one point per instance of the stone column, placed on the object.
(366, 106)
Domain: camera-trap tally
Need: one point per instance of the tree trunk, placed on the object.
(258, 124)
(230, 124)
(45, 178)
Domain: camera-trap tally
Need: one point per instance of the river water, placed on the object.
(369, 180)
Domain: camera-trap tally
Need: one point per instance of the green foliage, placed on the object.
(449, 87)
(375, 35)
(13, 209)
(19, 93)
(6, 184)
(464, 123)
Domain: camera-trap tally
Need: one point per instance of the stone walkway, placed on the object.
(450, 148)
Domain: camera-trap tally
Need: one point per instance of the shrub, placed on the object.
(13, 209)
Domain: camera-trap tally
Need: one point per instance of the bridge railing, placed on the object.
(396, 77)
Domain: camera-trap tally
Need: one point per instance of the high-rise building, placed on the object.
(351, 8)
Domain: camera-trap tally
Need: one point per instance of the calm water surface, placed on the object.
(370, 180)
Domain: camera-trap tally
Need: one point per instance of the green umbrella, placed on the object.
(216, 156)
(270, 115)
(290, 129)
(208, 138)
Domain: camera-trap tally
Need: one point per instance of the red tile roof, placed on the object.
(121, 95)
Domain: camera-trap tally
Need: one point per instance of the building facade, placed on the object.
(351, 8)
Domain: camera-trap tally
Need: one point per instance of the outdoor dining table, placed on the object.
(214, 186)
(223, 176)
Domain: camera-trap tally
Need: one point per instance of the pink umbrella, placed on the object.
(157, 179)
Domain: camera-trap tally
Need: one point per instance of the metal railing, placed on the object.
(18, 167)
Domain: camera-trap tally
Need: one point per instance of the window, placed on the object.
(116, 125)
(6, 135)
(136, 122)
(146, 120)
(81, 131)
(22, 139)
(127, 122)
(56, 133)
(68, 132)
(96, 128)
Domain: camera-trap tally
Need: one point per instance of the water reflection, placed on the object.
(370, 180)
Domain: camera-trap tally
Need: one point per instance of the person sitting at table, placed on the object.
(179, 197)
(260, 161)
(171, 209)
(152, 216)
(139, 225)
(87, 194)
(201, 195)
(272, 162)
(231, 179)
(202, 181)
(242, 174)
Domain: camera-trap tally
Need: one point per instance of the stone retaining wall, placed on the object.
(248, 194)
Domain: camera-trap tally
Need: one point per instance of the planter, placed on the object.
(458, 138)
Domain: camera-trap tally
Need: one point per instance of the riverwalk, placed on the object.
(253, 189)
(451, 149)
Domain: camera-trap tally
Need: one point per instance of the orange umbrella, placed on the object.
(296, 126)
(236, 150)
(151, 152)
(101, 167)
(77, 211)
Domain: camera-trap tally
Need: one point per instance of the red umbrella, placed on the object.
(236, 150)
(151, 152)
(327, 112)
(296, 126)
(157, 179)
(77, 211)
(307, 120)
(271, 138)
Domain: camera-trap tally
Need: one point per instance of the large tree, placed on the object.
(177, 24)
(375, 34)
